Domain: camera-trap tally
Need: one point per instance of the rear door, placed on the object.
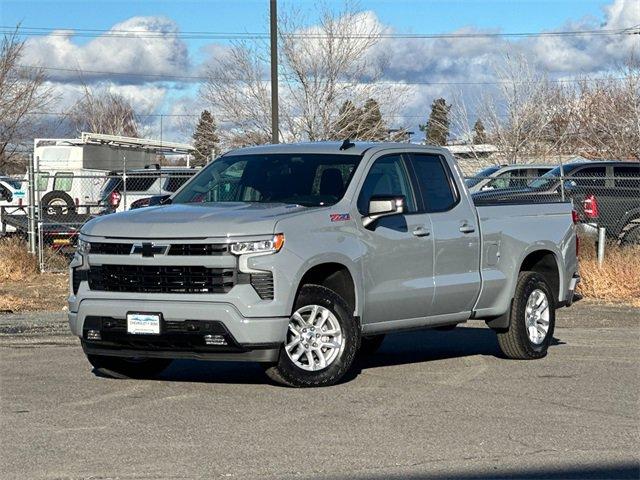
(455, 233)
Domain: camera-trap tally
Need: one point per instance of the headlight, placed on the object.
(261, 246)
(83, 247)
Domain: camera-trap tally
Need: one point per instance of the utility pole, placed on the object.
(273, 15)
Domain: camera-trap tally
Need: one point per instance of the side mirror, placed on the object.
(569, 184)
(383, 207)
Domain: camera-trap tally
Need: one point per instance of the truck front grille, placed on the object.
(177, 249)
(161, 279)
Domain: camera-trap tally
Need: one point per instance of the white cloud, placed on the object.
(164, 54)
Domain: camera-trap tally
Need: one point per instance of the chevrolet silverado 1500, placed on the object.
(298, 256)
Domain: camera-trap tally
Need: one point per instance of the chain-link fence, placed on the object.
(50, 205)
(605, 195)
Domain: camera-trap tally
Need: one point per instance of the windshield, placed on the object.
(546, 181)
(304, 179)
(15, 184)
(481, 175)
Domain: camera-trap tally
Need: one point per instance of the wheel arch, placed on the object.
(546, 263)
(336, 276)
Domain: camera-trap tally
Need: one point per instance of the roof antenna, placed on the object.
(347, 144)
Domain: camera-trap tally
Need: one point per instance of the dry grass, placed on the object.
(16, 263)
(22, 287)
(618, 280)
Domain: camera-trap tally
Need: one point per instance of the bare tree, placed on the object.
(103, 111)
(321, 68)
(607, 120)
(23, 93)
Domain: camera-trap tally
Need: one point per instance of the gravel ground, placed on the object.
(429, 404)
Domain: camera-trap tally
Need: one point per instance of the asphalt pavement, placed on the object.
(430, 404)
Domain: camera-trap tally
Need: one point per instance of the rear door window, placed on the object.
(590, 177)
(175, 182)
(627, 176)
(436, 185)
(140, 183)
(43, 181)
(63, 181)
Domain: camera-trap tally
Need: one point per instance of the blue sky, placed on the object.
(441, 62)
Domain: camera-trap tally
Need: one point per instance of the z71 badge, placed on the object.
(340, 217)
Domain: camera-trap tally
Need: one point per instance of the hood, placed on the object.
(192, 221)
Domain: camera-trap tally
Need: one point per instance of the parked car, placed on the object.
(13, 196)
(604, 193)
(118, 195)
(505, 176)
(299, 256)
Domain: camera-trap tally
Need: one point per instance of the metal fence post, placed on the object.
(40, 221)
(601, 241)
(124, 181)
(561, 179)
(31, 208)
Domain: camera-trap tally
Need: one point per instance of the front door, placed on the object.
(398, 262)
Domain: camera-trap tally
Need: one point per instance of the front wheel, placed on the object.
(118, 367)
(532, 320)
(321, 341)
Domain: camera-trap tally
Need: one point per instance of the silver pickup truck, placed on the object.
(299, 256)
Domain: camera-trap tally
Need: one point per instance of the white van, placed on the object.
(72, 172)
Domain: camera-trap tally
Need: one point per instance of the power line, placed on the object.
(380, 82)
(203, 35)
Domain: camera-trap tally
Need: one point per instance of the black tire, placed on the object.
(514, 341)
(57, 203)
(370, 344)
(286, 372)
(118, 367)
(631, 237)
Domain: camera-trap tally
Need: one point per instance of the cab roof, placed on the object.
(330, 147)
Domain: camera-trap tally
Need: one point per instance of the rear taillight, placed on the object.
(575, 216)
(577, 245)
(590, 207)
(114, 199)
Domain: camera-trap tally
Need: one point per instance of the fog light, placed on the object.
(214, 340)
(93, 335)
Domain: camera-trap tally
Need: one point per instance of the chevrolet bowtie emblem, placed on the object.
(148, 249)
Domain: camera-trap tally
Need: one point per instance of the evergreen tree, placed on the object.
(479, 133)
(346, 126)
(205, 138)
(371, 125)
(437, 127)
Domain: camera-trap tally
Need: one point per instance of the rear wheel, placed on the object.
(631, 237)
(118, 367)
(321, 342)
(532, 319)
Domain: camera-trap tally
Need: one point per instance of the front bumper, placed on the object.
(183, 328)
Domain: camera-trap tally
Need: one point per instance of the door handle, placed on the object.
(421, 232)
(466, 228)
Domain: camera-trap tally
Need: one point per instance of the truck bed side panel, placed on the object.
(509, 234)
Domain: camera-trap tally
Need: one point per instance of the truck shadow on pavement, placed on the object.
(420, 346)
